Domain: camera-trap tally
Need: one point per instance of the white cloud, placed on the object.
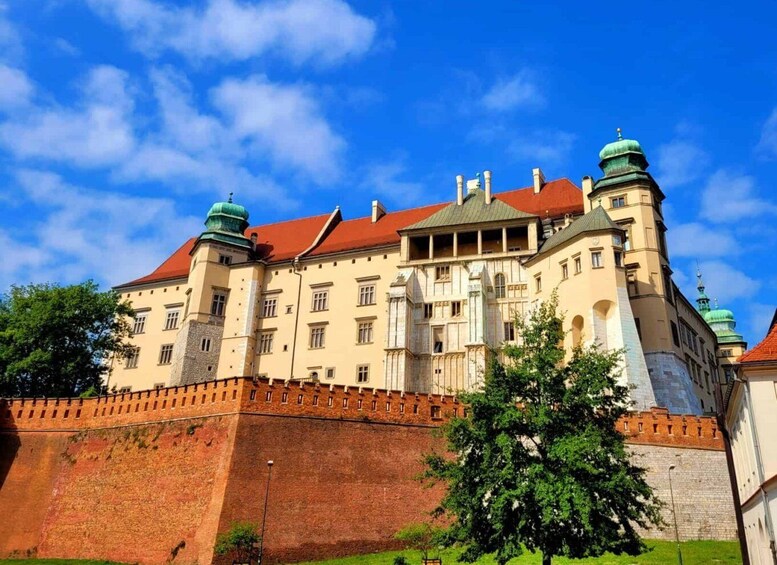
(16, 88)
(680, 162)
(96, 133)
(725, 283)
(82, 232)
(729, 197)
(67, 48)
(542, 147)
(768, 143)
(519, 91)
(698, 240)
(321, 31)
(284, 122)
(760, 317)
(383, 179)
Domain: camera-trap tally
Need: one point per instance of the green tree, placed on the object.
(56, 341)
(538, 461)
(422, 537)
(242, 538)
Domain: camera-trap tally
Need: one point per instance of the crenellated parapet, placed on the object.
(305, 399)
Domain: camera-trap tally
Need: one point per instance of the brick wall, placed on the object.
(133, 476)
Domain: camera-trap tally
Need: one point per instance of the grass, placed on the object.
(661, 553)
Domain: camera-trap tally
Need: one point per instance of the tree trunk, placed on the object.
(546, 557)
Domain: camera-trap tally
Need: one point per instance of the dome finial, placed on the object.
(618, 130)
(230, 197)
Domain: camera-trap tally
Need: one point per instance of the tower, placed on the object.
(633, 200)
(220, 251)
(731, 344)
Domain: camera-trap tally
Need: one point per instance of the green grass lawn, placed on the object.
(662, 553)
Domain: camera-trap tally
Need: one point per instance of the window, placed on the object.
(509, 331)
(578, 265)
(538, 284)
(205, 344)
(158, 386)
(270, 308)
(225, 259)
(437, 340)
(366, 294)
(675, 337)
(618, 202)
(171, 321)
(362, 373)
(618, 258)
(626, 237)
(265, 342)
(564, 271)
(499, 285)
(320, 300)
(330, 372)
(313, 375)
(139, 326)
(166, 354)
(365, 332)
(125, 389)
(132, 359)
(596, 259)
(218, 306)
(428, 311)
(442, 273)
(456, 308)
(289, 308)
(317, 337)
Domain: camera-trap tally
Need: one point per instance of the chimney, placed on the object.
(459, 189)
(487, 175)
(378, 211)
(588, 188)
(539, 180)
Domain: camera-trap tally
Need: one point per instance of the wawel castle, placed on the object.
(418, 299)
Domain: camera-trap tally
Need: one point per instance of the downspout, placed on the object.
(732, 475)
(334, 218)
(296, 267)
(759, 467)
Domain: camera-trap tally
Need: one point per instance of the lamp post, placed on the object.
(264, 516)
(674, 515)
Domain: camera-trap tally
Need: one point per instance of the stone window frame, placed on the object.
(363, 373)
(266, 340)
(166, 354)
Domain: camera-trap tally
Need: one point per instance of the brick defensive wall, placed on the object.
(152, 476)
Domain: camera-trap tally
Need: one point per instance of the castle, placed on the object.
(417, 299)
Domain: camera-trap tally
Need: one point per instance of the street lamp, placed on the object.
(264, 517)
(674, 515)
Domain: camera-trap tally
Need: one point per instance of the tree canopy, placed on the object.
(538, 461)
(241, 539)
(55, 341)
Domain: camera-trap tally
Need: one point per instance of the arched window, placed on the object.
(499, 285)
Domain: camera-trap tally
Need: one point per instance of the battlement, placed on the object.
(306, 399)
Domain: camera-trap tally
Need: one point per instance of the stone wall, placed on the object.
(151, 476)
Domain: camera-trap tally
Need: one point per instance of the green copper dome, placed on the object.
(622, 156)
(226, 222)
(720, 315)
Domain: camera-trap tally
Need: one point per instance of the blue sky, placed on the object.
(121, 121)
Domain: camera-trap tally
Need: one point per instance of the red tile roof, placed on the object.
(556, 198)
(285, 240)
(764, 351)
(276, 242)
(362, 233)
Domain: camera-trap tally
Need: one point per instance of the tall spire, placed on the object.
(703, 300)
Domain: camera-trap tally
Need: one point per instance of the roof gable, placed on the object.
(595, 220)
(766, 350)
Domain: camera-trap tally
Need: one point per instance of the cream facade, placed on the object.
(418, 299)
(751, 418)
